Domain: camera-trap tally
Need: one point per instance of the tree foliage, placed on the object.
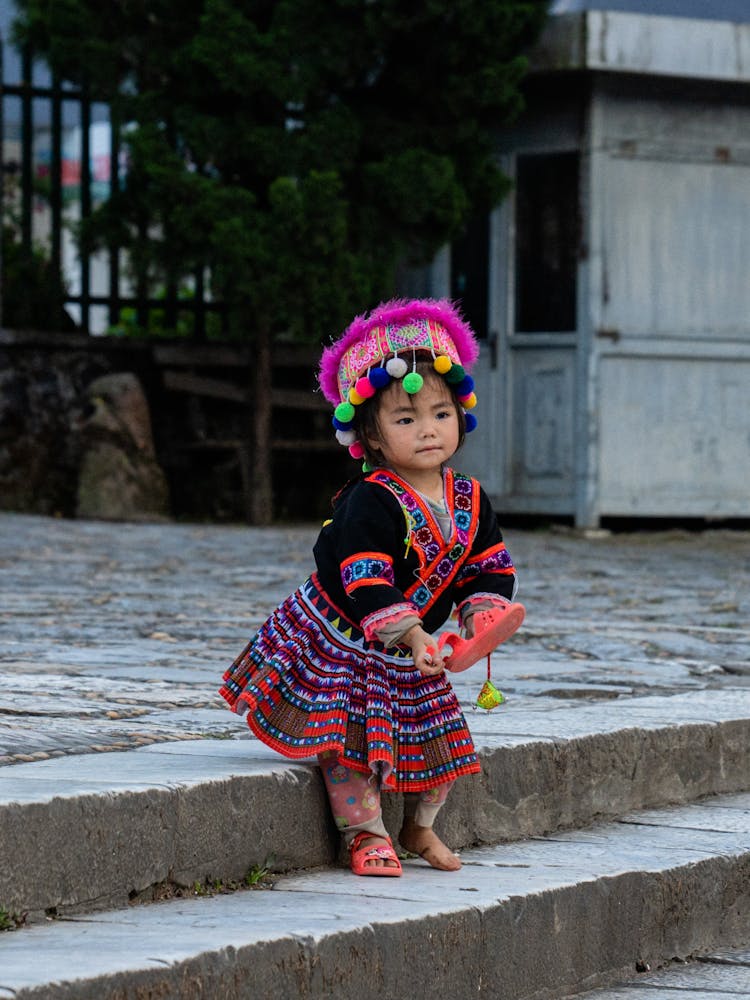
(295, 150)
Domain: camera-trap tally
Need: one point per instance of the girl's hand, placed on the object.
(424, 648)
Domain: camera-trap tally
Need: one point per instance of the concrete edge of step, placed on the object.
(646, 897)
(91, 851)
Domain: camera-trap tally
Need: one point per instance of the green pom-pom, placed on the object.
(366, 467)
(344, 412)
(455, 375)
(412, 383)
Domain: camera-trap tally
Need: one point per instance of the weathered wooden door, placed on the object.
(524, 451)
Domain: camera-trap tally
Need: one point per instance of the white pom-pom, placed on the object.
(346, 437)
(396, 367)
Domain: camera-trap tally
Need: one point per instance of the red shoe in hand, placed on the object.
(491, 628)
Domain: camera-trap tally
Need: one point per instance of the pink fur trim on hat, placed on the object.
(397, 313)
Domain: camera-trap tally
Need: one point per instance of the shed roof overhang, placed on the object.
(647, 44)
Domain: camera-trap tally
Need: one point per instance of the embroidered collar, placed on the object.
(439, 558)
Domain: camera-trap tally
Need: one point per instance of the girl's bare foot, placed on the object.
(423, 840)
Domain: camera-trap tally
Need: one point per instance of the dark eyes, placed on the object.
(440, 415)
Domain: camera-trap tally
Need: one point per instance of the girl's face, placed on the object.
(416, 433)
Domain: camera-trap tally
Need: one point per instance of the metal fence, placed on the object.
(62, 153)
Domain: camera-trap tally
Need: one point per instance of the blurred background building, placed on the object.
(617, 292)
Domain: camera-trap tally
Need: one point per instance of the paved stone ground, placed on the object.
(114, 636)
(718, 976)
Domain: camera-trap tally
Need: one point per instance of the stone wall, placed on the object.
(200, 415)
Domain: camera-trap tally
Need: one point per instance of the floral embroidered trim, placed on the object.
(479, 602)
(367, 569)
(439, 560)
(370, 624)
(494, 560)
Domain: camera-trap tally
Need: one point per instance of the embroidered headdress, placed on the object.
(383, 346)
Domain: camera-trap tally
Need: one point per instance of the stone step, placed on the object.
(719, 975)
(88, 832)
(539, 918)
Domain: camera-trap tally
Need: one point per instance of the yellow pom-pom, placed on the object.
(442, 364)
(489, 697)
(470, 402)
(354, 397)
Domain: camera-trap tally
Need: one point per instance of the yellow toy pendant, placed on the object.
(489, 697)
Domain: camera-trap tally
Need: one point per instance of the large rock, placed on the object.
(119, 478)
(40, 390)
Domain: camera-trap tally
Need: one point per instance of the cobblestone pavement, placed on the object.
(113, 636)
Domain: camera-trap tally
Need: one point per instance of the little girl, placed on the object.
(346, 668)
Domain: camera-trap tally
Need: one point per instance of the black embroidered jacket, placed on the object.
(382, 557)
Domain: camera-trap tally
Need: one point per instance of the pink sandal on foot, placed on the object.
(361, 855)
(490, 629)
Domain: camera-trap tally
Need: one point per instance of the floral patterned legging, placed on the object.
(355, 800)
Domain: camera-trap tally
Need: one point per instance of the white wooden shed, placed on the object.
(614, 283)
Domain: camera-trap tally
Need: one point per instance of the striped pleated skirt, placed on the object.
(309, 682)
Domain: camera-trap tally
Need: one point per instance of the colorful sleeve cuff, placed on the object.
(385, 618)
(366, 569)
(478, 602)
(392, 634)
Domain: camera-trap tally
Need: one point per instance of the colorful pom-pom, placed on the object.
(396, 367)
(442, 364)
(364, 387)
(471, 422)
(366, 467)
(468, 402)
(455, 375)
(344, 413)
(346, 437)
(412, 383)
(355, 398)
(341, 425)
(465, 386)
(357, 450)
(379, 377)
